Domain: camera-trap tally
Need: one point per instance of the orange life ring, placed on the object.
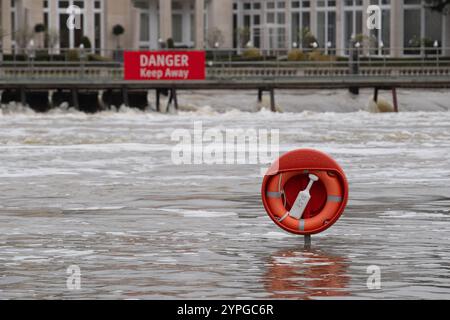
(289, 176)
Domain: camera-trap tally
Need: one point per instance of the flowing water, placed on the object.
(101, 192)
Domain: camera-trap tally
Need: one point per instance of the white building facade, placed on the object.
(281, 24)
(266, 24)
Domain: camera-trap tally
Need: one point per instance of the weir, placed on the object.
(98, 86)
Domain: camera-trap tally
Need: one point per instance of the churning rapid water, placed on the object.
(101, 192)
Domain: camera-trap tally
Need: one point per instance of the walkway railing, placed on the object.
(223, 64)
(229, 70)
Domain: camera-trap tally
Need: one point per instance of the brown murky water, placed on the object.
(101, 192)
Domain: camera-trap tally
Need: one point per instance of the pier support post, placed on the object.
(23, 97)
(75, 101)
(308, 241)
(169, 102)
(272, 100)
(375, 95)
(125, 97)
(394, 98)
(173, 98)
(260, 95)
(354, 90)
(158, 100)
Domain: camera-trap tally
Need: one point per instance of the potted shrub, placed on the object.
(170, 43)
(86, 42)
(39, 30)
(118, 31)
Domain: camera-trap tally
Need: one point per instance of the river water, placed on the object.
(101, 192)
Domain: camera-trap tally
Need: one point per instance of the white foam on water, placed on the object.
(412, 214)
(276, 235)
(110, 208)
(200, 213)
(124, 200)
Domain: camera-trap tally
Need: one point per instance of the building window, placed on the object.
(14, 27)
(46, 24)
(326, 25)
(98, 26)
(144, 33)
(70, 38)
(144, 24)
(275, 28)
(261, 24)
(235, 29)
(353, 21)
(91, 14)
(247, 23)
(177, 28)
(423, 28)
(182, 15)
(380, 40)
(149, 24)
(300, 23)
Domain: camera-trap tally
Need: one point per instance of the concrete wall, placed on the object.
(5, 25)
(397, 28)
(119, 12)
(220, 16)
(199, 24)
(447, 36)
(165, 19)
(33, 15)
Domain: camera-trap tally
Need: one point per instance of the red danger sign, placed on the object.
(165, 65)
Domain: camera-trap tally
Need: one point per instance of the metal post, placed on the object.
(169, 102)
(158, 100)
(1, 52)
(308, 241)
(354, 63)
(126, 98)
(384, 56)
(175, 98)
(23, 97)
(436, 46)
(1, 63)
(260, 95)
(394, 98)
(375, 95)
(272, 100)
(76, 103)
(31, 56)
(82, 57)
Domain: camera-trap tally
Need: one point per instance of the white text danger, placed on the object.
(166, 60)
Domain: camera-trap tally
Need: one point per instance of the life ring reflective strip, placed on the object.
(277, 207)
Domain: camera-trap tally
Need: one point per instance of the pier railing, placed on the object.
(95, 85)
(229, 65)
(230, 70)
